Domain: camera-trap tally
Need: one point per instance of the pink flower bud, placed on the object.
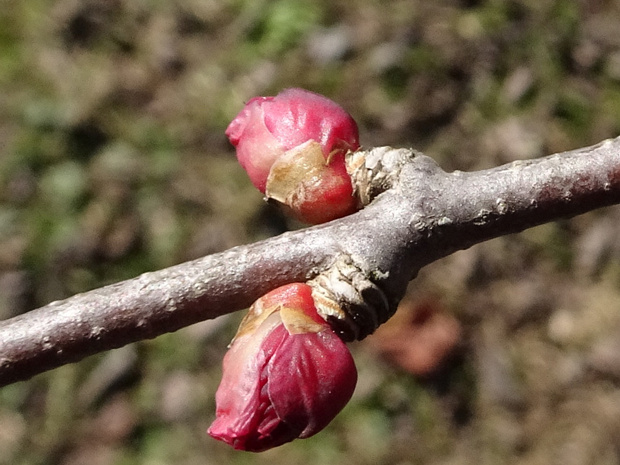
(286, 375)
(293, 146)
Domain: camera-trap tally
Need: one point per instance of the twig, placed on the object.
(423, 215)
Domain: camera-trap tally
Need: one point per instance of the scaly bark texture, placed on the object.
(419, 214)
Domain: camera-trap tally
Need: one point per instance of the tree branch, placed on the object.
(419, 215)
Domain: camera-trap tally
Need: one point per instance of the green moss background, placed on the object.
(113, 162)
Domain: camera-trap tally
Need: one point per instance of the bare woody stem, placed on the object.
(419, 215)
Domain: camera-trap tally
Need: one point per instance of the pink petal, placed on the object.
(295, 116)
(238, 398)
(311, 378)
(257, 148)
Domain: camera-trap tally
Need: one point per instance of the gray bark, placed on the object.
(419, 214)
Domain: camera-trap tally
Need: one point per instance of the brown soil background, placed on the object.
(113, 162)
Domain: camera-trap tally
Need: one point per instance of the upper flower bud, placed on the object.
(285, 376)
(293, 146)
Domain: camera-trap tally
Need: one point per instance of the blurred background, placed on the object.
(113, 162)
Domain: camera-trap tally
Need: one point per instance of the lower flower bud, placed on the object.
(286, 375)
